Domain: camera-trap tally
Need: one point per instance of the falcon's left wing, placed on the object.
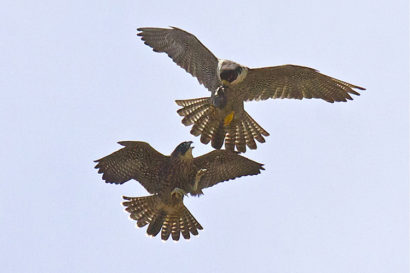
(137, 160)
(223, 165)
(293, 82)
(186, 51)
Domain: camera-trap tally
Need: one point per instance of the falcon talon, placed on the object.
(201, 172)
(178, 193)
(198, 177)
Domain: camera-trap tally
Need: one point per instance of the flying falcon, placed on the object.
(222, 116)
(169, 179)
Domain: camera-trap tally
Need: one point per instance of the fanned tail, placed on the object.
(193, 109)
(237, 131)
(200, 113)
(242, 132)
(173, 220)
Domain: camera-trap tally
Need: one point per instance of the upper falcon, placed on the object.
(222, 116)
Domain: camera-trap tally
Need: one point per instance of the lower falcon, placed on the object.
(222, 116)
(169, 179)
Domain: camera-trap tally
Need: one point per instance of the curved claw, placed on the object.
(201, 172)
(178, 193)
(198, 177)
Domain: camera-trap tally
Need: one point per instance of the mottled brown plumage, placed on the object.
(168, 179)
(222, 117)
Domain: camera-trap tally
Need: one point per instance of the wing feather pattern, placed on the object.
(137, 160)
(223, 165)
(293, 82)
(186, 51)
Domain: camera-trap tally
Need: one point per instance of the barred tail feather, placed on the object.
(193, 109)
(156, 223)
(199, 113)
(240, 137)
(254, 128)
(242, 131)
(200, 125)
(208, 129)
(230, 138)
(218, 136)
(250, 141)
(170, 220)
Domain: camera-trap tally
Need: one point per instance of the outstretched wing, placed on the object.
(186, 51)
(223, 165)
(137, 160)
(293, 82)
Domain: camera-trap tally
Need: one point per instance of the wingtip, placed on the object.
(140, 32)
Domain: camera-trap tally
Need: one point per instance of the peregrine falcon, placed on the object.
(169, 179)
(221, 117)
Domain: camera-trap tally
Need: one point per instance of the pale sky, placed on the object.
(75, 79)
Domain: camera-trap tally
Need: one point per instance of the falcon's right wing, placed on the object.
(137, 160)
(186, 51)
(293, 82)
(223, 165)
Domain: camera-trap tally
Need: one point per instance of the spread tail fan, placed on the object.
(172, 220)
(236, 130)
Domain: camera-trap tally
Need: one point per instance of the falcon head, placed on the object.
(183, 150)
(231, 72)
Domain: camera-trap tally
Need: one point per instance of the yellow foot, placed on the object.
(198, 177)
(201, 173)
(178, 193)
(228, 119)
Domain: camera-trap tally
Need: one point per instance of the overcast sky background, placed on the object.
(74, 80)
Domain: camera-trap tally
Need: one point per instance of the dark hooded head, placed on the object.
(183, 150)
(229, 71)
